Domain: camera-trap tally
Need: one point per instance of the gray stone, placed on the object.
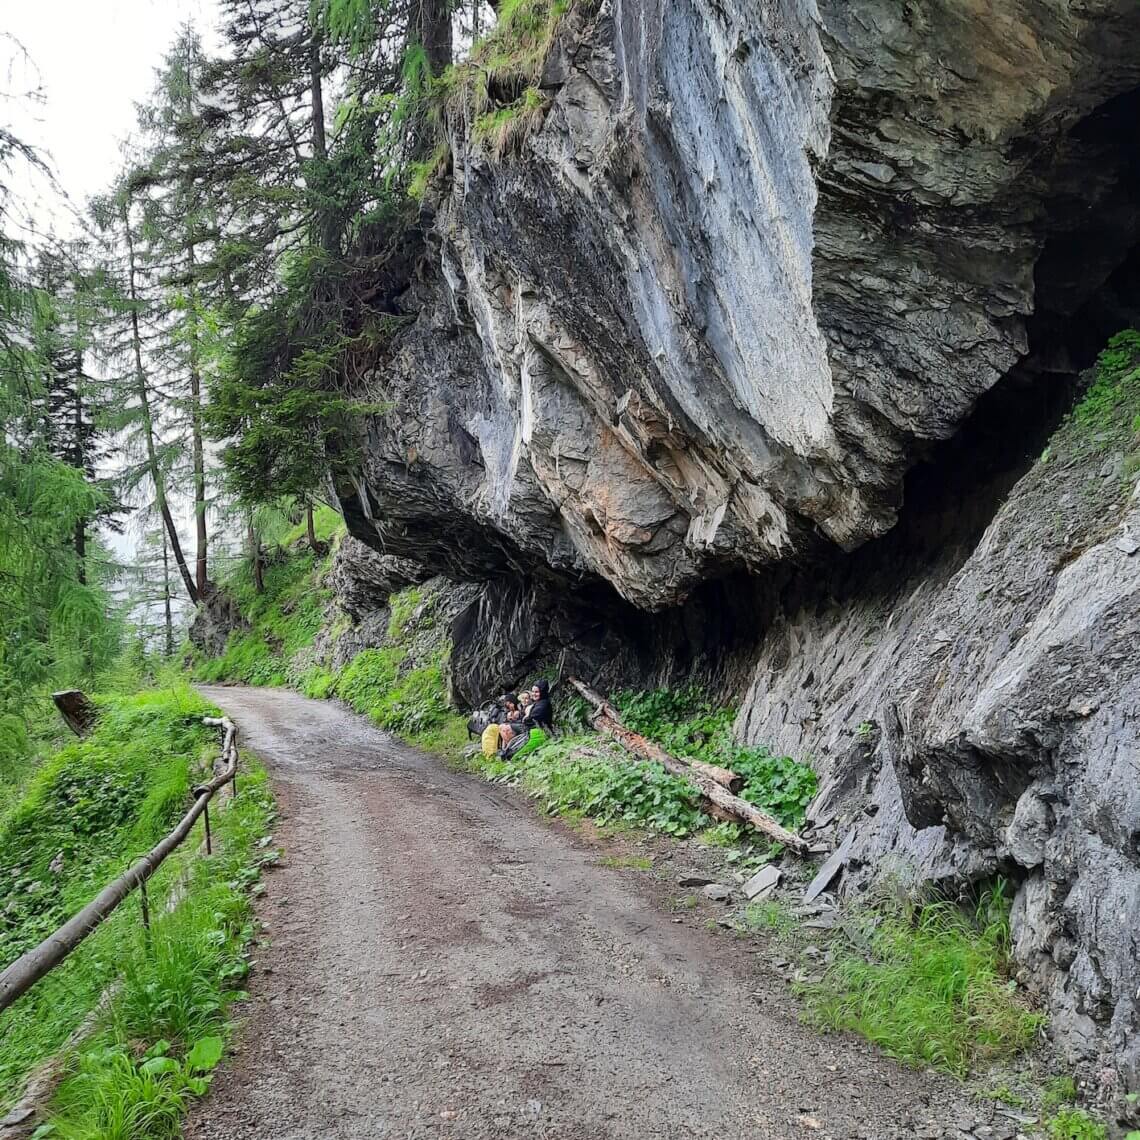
(830, 869)
(718, 892)
(703, 323)
(1029, 830)
(763, 882)
(694, 879)
(717, 341)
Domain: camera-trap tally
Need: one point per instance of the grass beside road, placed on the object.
(87, 814)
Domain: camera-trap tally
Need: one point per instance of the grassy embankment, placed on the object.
(90, 810)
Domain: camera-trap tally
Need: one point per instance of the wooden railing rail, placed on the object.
(25, 971)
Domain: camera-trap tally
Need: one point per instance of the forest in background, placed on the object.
(193, 342)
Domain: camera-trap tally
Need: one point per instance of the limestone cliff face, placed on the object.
(755, 258)
(676, 354)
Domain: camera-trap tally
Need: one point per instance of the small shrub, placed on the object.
(317, 683)
(368, 678)
(415, 703)
(1114, 397)
(1074, 1124)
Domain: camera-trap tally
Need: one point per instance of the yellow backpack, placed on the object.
(490, 740)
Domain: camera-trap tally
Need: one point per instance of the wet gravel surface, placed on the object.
(446, 963)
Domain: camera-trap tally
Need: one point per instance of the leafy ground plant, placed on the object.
(931, 986)
(94, 806)
(1074, 1124)
(687, 723)
(91, 810)
(583, 776)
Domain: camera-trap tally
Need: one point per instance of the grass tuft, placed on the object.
(1074, 1124)
(932, 987)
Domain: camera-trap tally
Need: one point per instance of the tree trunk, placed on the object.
(317, 101)
(255, 556)
(78, 459)
(605, 718)
(324, 223)
(198, 454)
(433, 19)
(148, 422)
(310, 530)
(77, 710)
(201, 569)
(81, 550)
(166, 612)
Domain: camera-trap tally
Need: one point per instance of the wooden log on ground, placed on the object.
(26, 970)
(606, 719)
(722, 776)
(77, 710)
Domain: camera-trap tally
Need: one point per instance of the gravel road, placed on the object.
(446, 963)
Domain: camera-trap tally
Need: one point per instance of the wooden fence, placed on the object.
(26, 970)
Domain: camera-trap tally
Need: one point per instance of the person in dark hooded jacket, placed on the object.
(541, 713)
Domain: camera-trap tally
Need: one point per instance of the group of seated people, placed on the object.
(516, 723)
(530, 709)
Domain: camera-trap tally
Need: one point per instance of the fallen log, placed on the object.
(25, 971)
(606, 719)
(723, 776)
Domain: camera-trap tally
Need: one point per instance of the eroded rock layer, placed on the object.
(753, 260)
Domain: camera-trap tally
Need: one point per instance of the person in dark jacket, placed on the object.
(541, 713)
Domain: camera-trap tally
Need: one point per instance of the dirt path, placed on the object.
(446, 964)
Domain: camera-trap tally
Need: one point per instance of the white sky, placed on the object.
(92, 60)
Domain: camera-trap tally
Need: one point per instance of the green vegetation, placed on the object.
(773, 916)
(1005, 1095)
(582, 776)
(627, 862)
(410, 703)
(686, 723)
(1057, 1091)
(506, 127)
(284, 619)
(166, 1029)
(1114, 398)
(1074, 1124)
(930, 986)
(88, 812)
(510, 57)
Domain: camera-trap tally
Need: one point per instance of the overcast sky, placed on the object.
(92, 60)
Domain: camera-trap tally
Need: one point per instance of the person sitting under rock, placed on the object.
(541, 712)
(514, 723)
